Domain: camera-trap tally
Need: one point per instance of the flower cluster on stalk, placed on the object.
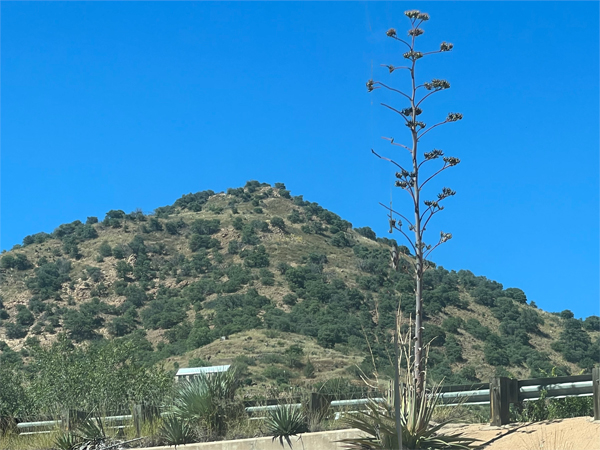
(436, 85)
(409, 111)
(434, 154)
(453, 117)
(451, 161)
(412, 55)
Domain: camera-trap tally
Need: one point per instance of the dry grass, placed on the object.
(544, 440)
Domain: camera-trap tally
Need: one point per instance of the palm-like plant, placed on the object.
(176, 431)
(208, 401)
(286, 421)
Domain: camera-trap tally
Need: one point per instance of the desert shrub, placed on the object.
(475, 329)
(17, 261)
(366, 232)
(15, 331)
(452, 324)
(592, 323)
(198, 241)
(295, 217)
(494, 351)
(516, 294)
(205, 227)
(49, 278)
(194, 202)
(37, 238)
(341, 240)
(164, 313)
(256, 257)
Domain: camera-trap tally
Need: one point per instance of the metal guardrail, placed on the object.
(498, 394)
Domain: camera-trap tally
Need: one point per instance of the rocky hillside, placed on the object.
(286, 289)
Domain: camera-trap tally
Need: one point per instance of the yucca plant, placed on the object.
(208, 402)
(66, 441)
(286, 421)
(176, 431)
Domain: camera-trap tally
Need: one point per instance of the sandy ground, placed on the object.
(580, 433)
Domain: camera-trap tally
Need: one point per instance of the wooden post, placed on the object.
(503, 391)
(137, 413)
(596, 391)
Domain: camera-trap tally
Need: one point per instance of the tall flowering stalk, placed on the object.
(410, 178)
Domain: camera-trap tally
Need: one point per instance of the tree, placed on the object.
(410, 177)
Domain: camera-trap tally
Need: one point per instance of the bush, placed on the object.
(256, 257)
(341, 240)
(278, 222)
(366, 232)
(295, 217)
(478, 331)
(205, 227)
(198, 241)
(452, 324)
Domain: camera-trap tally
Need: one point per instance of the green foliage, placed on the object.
(256, 257)
(592, 323)
(49, 278)
(278, 222)
(194, 202)
(494, 351)
(164, 312)
(309, 369)
(475, 329)
(176, 431)
(198, 241)
(576, 346)
(17, 261)
(280, 375)
(516, 294)
(452, 324)
(205, 227)
(284, 422)
(366, 232)
(37, 238)
(109, 374)
(208, 401)
(295, 217)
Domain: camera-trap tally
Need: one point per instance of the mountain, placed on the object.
(278, 285)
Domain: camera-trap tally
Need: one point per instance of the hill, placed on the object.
(280, 286)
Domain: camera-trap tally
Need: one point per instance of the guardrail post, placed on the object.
(503, 392)
(596, 391)
(137, 414)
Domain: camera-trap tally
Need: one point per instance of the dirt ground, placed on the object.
(579, 433)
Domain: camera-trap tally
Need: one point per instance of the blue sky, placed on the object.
(125, 105)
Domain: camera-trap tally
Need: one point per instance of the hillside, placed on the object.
(282, 287)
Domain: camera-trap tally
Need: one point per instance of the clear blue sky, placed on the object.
(120, 105)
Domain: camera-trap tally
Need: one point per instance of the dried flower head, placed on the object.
(415, 32)
(413, 55)
(390, 68)
(412, 14)
(445, 236)
(435, 153)
(391, 32)
(423, 16)
(453, 117)
(408, 111)
(437, 85)
(446, 192)
(451, 161)
(370, 85)
(446, 47)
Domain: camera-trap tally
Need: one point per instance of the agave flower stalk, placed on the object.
(410, 176)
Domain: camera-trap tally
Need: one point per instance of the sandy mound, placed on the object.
(579, 433)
